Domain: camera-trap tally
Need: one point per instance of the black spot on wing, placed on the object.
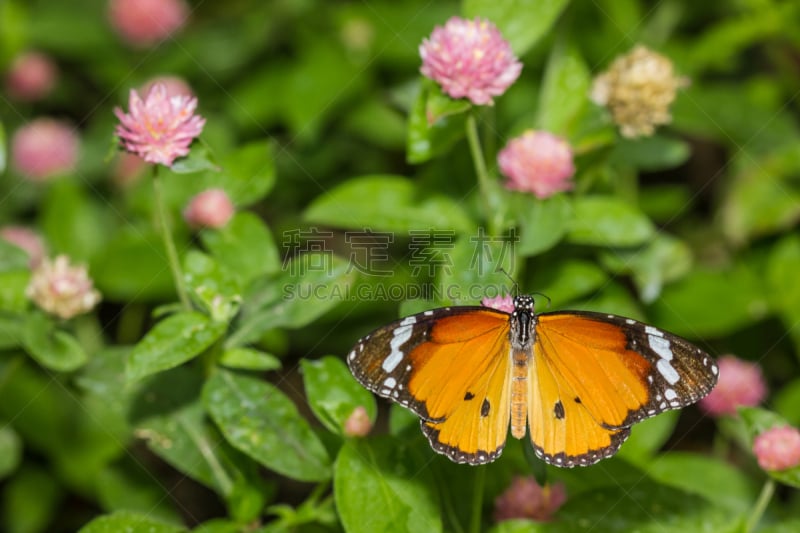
(468, 396)
(558, 410)
(485, 408)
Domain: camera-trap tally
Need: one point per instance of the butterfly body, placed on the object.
(573, 381)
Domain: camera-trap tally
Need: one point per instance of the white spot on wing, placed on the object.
(390, 382)
(630, 321)
(661, 346)
(428, 313)
(667, 370)
(650, 330)
(670, 394)
(400, 336)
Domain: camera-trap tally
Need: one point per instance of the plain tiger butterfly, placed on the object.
(575, 380)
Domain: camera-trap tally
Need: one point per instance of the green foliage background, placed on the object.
(230, 417)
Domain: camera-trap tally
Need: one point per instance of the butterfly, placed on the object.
(574, 381)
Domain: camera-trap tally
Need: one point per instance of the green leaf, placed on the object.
(568, 280)
(173, 341)
(249, 359)
(783, 284)
(647, 437)
(386, 203)
(309, 286)
(786, 402)
(51, 347)
(126, 521)
(433, 126)
(30, 501)
(13, 284)
(380, 484)
(565, 86)
(12, 257)
(543, 223)
(651, 154)
(128, 486)
(333, 393)
(198, 159)
(10, 451)
(71, 222)
(259, 420)
(522, 22)
(245, 246)
(213, 286)
(250, 172)
(608, 221)
(481, 266)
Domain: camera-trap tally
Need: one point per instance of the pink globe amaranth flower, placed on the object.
(740, 384)
(61, 289)
(469, 59)
(778, 448)
(145, 22)
(501, 303)
(537, 162)
(159, 128)
(44, 148)
(525, 498)
(28, 240)
(358, 423)
(31, 77)
(176, 86)
(210, 209)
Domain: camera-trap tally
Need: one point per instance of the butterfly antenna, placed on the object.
(546, 297)
(513, 282)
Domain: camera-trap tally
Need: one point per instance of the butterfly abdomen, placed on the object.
(519, 392)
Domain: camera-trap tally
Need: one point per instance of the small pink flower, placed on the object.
(537, 162)
(740, 384)
(28, 240)
(358, 423)
(176, 86)
(778, 448)
(160, 128)
(31, 77)
(501, 303)
(525, 498)
(469, 58)
(146, 22)
(62, 289)
(210, 209)
(44, 148)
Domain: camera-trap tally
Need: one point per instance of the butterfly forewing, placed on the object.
(449, 366)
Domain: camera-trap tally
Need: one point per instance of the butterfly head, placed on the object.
(522, 322)
(523, 303)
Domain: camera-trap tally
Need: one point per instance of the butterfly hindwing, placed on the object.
(450, 367)
(594, 375)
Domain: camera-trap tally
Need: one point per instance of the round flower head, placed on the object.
(176, 86)
(525, 498)
(740, 384)
(62, 289)
(159, 128)
(778, 448)
(358, 423)
(209, 209)
(44, 148)
(28, 240)
(638, 89)
(146, 22)
(469, 59)
(501, 303)
(31, 77)
(537, 162)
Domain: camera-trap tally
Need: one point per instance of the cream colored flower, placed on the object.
(61, 289)
(638, 90)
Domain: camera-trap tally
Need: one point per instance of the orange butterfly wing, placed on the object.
(450, 366)
(594, 375)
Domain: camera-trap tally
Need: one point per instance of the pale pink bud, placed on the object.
(31, 77)
(28, 240)
(469, 59)
(740, 384)
(210, 209)
(175, 85)
(525, 498)
(501, 303)
(159, 128)
(537, 162)
(778, 448)
(62, 289)
(146, 22)
(358, 423)
(44, 148)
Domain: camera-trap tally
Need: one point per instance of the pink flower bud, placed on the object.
(175, 85)
(62, 289)
(740, 384)
(501, 303)
(31, 77)
(44, 148)
(469, 59)
(537, 162)
(28, 240)
(778, 448)
(525, 498)
(358, 423)
(161, 127)
(209, 209)
(146, 22)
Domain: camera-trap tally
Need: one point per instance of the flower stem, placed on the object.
(477, 499)
(761, 505)
(480, 169)
(169, 243)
